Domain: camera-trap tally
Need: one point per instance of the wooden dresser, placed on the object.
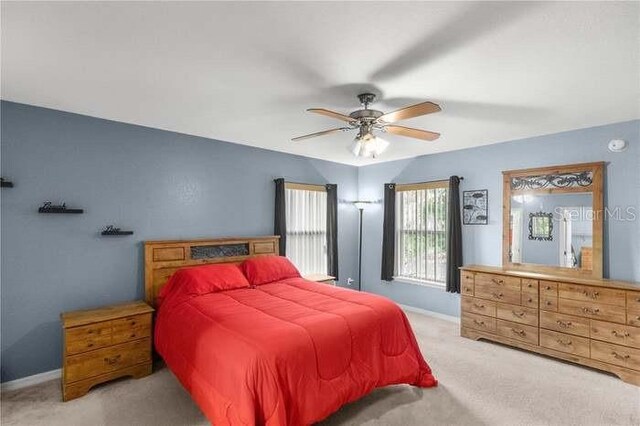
(104, 344)
(593, 322)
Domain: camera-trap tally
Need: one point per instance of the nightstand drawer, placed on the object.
(130, 335)
(101, 361)
(88, 337)
(132, 322)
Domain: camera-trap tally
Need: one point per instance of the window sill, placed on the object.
(422, 283)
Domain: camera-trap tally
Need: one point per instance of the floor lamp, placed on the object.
(360, 206)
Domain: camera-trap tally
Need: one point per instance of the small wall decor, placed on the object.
(541, 226)
(47, 207)
(475, 207)
(111, 230)
(5, 183)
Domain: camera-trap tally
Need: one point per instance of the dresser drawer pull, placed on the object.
(112, 360)
(564, 324)
(132, 335)
(563, 343)
(530, 300)
(497, 295)
(467, 289)
(590, 310)
(530, 285)
(468, 277)
(499, 282)
(548, 287)
(592, 295)
(518, 332)
(475, 305)
(518, 314)
(620, 334)
(616, 355)
(480, 323)
(90, 345)
(548, 303)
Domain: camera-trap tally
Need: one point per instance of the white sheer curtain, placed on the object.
(306, 213)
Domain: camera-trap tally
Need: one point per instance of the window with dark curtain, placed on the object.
(454, 237)
(332, 230)
(388, 232)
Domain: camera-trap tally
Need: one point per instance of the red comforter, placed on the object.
(287, 353)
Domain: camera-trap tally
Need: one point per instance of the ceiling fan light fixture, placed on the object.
(368, 146)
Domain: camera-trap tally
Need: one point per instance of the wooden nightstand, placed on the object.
(104, 344)
(320, 278)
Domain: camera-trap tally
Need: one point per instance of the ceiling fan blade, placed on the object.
(412, 133)
(410, 112)
(332, 114)
(324, 132)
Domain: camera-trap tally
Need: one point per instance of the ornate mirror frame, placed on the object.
(573, 178)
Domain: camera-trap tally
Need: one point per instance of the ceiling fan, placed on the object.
(366, 121)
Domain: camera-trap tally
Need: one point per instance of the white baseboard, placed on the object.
(445, 317)
(31, 380)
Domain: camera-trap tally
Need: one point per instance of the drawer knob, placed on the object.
(133, 335)
(620, 334)
(499, 282)
(548, 303)
(530, 300)
(591, 311)
(592, 295)
(563, 343)
(518, 332)
(616, 355)
(564, 324)
(480, 323)
(497, 295)
(133, 323)
(90, 345)
(112, 360)
(475, 305)
(548, 287)
(518, 314)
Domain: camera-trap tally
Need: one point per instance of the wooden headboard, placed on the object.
(163, 258)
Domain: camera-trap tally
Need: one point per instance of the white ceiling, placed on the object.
(246, 72)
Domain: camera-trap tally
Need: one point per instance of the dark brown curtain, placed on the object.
(388, 232)
(280, 220)
(332, 230)
(454, 237)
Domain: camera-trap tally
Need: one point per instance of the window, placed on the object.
(421, 232)
(306, 216)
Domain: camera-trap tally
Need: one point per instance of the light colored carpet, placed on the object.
(480, 383)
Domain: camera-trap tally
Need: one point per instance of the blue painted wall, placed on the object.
(481, 168)
(158, 183)
(168, 185)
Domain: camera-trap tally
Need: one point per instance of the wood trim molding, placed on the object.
(422, 185)
(163, 258)
(305, 186)
(596, 189)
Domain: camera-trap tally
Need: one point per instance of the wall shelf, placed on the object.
(50, 208)
(5, 183)
(112, 231)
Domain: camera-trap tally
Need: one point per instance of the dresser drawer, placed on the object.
(633, 301)
(615, 333)
(478, 322)
(530, 286)
(633, 318)
(548, 303)
(593, 310)
(517, 314)
(497, 293)
(615, 354)
(87, 337)
(515, 331)
(101, 361)
(499, 281)
(530, 300)
(466, 283)
(548, 288)
(591, 294)
(564, 323)
(478, 306)
(565, 343)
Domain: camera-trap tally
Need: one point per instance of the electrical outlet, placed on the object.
(349, 281)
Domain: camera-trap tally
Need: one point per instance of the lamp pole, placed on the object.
(360, 206)
(360, 252)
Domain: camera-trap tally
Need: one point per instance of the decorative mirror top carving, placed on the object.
(561, 180)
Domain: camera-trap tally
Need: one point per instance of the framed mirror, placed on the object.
(541, 226)
(553, 219)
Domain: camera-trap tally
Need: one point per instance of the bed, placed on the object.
(275, 349)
